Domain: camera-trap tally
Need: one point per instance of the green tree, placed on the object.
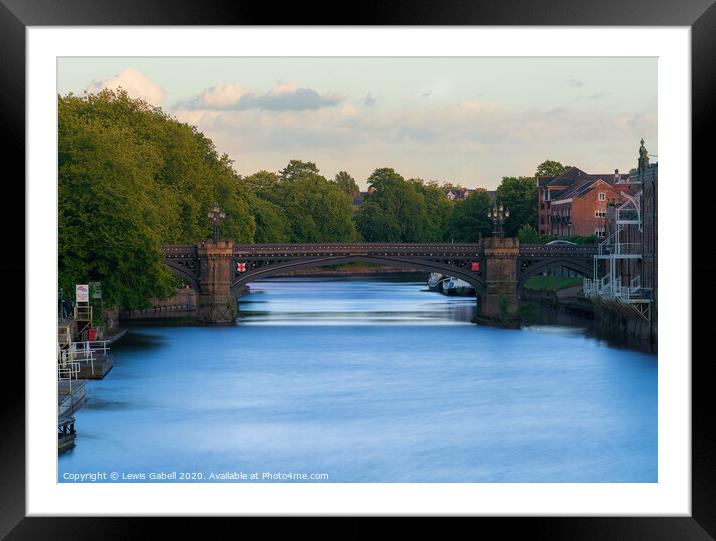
(346, 182)
(403, 214)
(316, 209)
(296, 169)
(131, 178)
(550, 168)
(528, 235)
(271, 224)
(261, 183)
(109, 229)
(437, 210)
(519, 195)
(468, 220)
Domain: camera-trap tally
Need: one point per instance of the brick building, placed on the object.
(575, 202)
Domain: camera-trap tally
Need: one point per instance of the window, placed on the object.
(600, 232)
(602, 196)
(600, 213)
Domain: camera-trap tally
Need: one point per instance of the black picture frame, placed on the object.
(700, 15)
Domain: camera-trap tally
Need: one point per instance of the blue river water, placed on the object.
(366, 379)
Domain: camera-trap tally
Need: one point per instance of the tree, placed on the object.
(468, 220)
(437, 210)
(296, 169)
(528, 235)
(131, 179)
(271, 224)
(109, 230)
(346, 182)
(315, 208)
(519, 195)
(261, 183)
(402, 211)
(550, 168)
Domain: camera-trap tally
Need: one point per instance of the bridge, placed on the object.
(497, 268)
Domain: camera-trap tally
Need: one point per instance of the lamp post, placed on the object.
(216, 215)
(498, 215)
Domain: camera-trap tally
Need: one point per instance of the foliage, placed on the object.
(131, 178)
(271, 223)
(395, 212)
(550, 168)
(437, 210)
(528, 235)
(261, 183)
(298, 169)
(519, 195)
(551, 283)
(468, 220)
(316, 210)
(346, 182)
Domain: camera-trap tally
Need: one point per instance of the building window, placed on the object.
(600, 232)
(600, 213)
(602, 196)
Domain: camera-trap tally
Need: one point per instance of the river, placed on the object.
(367, 379)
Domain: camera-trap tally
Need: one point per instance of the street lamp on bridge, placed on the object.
(216, 215)
(498, 215)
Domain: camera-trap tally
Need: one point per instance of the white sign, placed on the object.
(82, 292)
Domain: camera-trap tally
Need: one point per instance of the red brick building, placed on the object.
(575, 202)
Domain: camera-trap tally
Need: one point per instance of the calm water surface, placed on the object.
(370, 380)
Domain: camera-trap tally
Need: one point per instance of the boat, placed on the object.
(449, 286)
(455, 286)
(434, 281)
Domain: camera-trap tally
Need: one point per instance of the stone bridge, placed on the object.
(497, 268)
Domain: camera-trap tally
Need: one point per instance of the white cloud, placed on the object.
(135, 83)
(282, 97)
(482, 140)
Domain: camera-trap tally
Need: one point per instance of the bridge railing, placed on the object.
(348, 249)
(544, 249)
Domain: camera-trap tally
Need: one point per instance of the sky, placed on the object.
(465, 120)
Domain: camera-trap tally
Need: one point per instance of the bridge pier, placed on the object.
(215, 303)
(500, 302)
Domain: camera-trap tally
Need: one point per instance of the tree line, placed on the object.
(132, 178)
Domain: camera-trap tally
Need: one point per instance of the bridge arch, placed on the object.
(287, 266)
(183, 273)
(583, 267)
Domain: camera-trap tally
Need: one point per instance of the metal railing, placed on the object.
(83, 312)
(620, 248)
(606, 287)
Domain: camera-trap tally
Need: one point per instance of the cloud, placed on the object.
(575, 83)
(594, 96)
(484, 139)
(282, 97)
(426, 94)
(368, 100)
(134, 82)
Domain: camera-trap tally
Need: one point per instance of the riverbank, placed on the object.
(551, 304)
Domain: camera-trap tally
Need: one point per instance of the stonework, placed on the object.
(500, 299)
(215, 302)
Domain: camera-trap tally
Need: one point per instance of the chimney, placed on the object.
(617, 179)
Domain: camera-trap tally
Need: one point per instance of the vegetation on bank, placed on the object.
(132, 178)
(551, 283)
